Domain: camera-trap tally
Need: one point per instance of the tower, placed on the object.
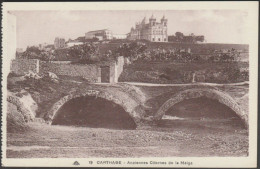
(152, 21)
(152, 31)
(164, 21)
(144, 21)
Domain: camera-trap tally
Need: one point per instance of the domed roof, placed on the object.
(152, 17)
(144, 20)
(163, 17)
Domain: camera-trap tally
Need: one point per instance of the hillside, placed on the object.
(170, 72)
(198, 47)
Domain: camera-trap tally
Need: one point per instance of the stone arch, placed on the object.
(27, 110)
(196, 93)
(129, 105)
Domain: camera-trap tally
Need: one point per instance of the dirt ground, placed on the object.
(175, 138)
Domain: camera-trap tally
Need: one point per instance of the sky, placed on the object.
(218, 26)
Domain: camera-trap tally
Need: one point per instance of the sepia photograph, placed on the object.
(121, 85)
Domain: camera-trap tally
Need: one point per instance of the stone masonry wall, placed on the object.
(91, 72)
(23, 66)
(86, 71)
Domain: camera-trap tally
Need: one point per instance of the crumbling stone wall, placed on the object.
(116, 68)
(91, 72)
(85, 71)
(120, 66)
(113, 72)
(23, 66)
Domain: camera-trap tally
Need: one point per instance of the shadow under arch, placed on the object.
(197, 93)
(129, 105)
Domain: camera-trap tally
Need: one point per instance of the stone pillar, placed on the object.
(112, 72)
(37, 68)
(99, 75)
(116, 73)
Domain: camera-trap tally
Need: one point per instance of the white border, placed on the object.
(250, 7)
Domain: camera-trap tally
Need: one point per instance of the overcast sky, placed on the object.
(34, 27)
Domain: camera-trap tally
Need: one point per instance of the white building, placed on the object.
(104, 33)
(119, 36)
(153, 31)
(74, 43)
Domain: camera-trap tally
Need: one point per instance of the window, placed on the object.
(165, 39)
(153, 39)
(159, 39)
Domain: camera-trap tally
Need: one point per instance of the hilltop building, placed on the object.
(119, 36)
(59, 43)
(71, 43)
(152, 31)
(103, 34)
(79, 39)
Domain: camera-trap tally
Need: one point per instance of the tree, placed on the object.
(200, 38)
(31, 53)
(88, 51)
(172, 38)
(47, 56)
(179, 36)
(33, 49)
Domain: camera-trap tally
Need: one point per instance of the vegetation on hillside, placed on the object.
(91, 52)
(180, 37)
(34, 52)
(162, 59)
(168, 72)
